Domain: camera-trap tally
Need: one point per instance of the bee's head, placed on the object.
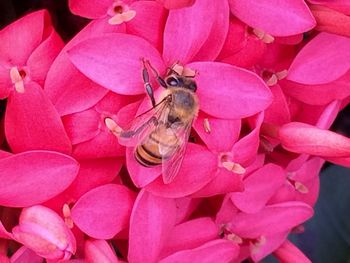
(177, 81)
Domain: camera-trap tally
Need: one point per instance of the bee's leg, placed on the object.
(160, 80)
(146, 83)
(132, 133)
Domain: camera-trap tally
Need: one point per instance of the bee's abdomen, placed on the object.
(147, 154)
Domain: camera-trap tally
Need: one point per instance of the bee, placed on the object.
(160, 135)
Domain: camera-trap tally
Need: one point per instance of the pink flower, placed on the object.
(31, 121)
(249, 176)
(43, 231)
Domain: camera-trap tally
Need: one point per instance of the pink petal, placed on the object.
(32, 122)
(198, 168)
(4, 154)
(24, 254)
(42, 57)
(221, 251)
(278, 112)
(224, 182)
(234, 85)
(278, 18)
(151, 222)
(328, 115)
(45, 232)
(289, 253)
(259, 251)
(4, 234)
(340, 5)
(331, 21)
(185, 207)
(221, 135)
(103, 145)
(226, 212)
(319, 94)
(241, 47)
(203, 19)
(322, 60)
(155, 15)
(190, 234)
(308, 176)
(16, 50)
(90, 9)
(259, 187)
(97, 251)
(82, 126)
(104, 211)
(244, 151)
(343, 161)
(69, 90)
(49, 172)
(227, 181)
(290, 40)
(94, 173)
(282, 217)
(103, 59)
(212, 47)
(175, 4)
(305, 138)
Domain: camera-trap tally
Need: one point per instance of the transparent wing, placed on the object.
(171, 166)
(144, 124)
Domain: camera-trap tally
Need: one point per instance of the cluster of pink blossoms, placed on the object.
(272, 76)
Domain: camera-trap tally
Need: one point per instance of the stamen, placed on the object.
(206, 125)
(178, 68)
(272, 80)
(17, 79)
(67, 216)
(281, 74)
(225, 160)
(234, 238)
(258, 243)
(300, 187)
(266, 38)
(113, 126)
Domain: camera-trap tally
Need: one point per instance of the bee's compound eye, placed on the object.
(193, 86)
(171, 81)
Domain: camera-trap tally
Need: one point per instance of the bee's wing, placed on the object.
(171, 166)
(144, 124)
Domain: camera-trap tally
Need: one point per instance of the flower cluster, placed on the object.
(271, 76)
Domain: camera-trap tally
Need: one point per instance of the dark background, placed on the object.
(327, 235)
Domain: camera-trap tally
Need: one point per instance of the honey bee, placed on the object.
(160, 135)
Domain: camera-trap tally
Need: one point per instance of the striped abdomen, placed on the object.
(158, 146)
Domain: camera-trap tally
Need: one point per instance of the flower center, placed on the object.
(118, 9)
(271, 78)
(120, 12)
(225, 161)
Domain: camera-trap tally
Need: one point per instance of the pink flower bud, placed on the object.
(304, 138)
(45, 232)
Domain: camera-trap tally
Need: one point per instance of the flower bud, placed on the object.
(44, 232)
